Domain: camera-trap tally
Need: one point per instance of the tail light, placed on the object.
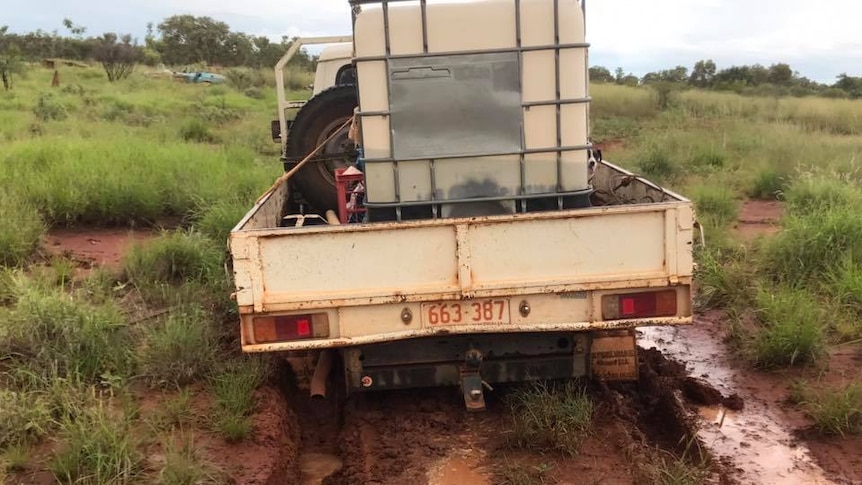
(648, 304)
(286, 328)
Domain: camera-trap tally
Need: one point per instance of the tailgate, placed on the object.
(624, 246)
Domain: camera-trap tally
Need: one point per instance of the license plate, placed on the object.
(475, 312)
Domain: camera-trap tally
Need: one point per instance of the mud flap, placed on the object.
(613, 356)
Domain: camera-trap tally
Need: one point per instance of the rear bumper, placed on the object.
(565, 313)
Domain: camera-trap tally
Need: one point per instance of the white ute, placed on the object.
(487, 241)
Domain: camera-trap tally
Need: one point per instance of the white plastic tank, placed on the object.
(482, 100)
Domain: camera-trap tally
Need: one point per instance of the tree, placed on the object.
(703, 74)
(601, 74)
(186, 39)
(850, 85)
(10, 59)
(77, 31)
(780, 74)
(117, 58)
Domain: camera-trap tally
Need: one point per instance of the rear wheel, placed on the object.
(322, 116)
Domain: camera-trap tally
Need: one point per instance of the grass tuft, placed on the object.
(179, 349)
(98, 447)
(235, 402)
(25, 417)
(791, 332)
(54, 334)
(174, 257)
(768, 184)
(835, 411)
(21, 229)
(184, 465)
(551, 418)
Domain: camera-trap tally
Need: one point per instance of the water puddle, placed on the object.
(315, 467)
(755, 438)
(460, 468)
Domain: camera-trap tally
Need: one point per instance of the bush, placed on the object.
(551, 419)
(791, 331)
(244, 78)
(180, 349)
(174, 258)
(21, 230)
(197, 131)
(49, 108)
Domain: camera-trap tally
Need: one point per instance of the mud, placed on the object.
(766, 439)
(96, 247)
(426, 436)
(759, 218)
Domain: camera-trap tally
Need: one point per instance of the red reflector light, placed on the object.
(648, 304)
(290, 327)
(303, 327)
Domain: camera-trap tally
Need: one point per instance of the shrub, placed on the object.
(545, 417)
(21, 229)
(49, 108)
(791, 331)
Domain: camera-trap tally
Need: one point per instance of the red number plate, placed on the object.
(476, 312)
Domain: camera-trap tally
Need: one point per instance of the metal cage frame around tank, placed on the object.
(557, 102)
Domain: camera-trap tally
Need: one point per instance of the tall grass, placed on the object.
(21, 230)
(792, 329)
(180, 349)
(174, 258)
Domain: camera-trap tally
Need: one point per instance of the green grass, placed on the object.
(179, 349)
(21, 230)
(25, 417)
(51, 333)
(98, 447)
(174, 411)
(184, 464)
(792, 330)
(715, 204)
(175, 257)
(233, 389)
(551, 418)
(835, 411)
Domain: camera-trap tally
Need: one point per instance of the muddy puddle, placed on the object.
(755, 439)
(463, 467)
(314, 468)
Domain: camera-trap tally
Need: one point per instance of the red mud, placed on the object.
(759, 218)
(769, 439)
(97, 247)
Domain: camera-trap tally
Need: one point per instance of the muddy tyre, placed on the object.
(316, 121)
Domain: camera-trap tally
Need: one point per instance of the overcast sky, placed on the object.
(818, 38)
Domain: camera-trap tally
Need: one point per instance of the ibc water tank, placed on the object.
(471, 108)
